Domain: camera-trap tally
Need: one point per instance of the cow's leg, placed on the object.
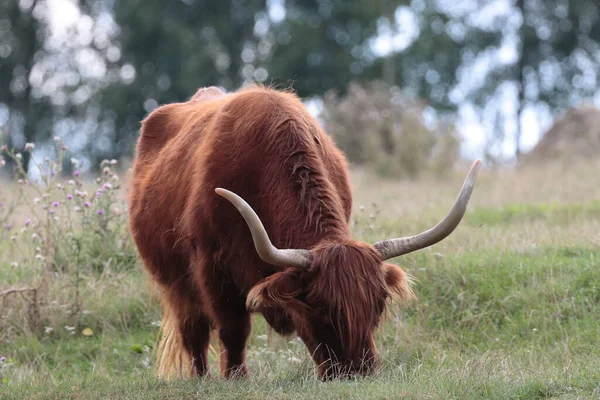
(195, 333)
(227, 310)
(185, 306)
(234, 329)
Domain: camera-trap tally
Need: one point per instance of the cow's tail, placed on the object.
(173, 360)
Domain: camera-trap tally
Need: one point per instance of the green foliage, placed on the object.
(378, 127)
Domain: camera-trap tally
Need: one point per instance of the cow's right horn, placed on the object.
(396, 247)
(264, 247)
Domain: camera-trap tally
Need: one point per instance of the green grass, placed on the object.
(555, 213)
(481, 379)
(509, 319)
(487, 325)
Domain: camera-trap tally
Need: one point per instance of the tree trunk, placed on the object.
(26, 99)
(520, 78)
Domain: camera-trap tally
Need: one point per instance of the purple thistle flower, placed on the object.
(27, 222)
(1, 204)
(99, 192)
(69, 197)
(87, 204)
(2, 359)
(55, 204)
(100, 212)
(51, 211)
(76, 172)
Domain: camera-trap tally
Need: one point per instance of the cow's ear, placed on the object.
(281, 289)
(398, 283)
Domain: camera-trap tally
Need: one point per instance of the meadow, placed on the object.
(508, 306)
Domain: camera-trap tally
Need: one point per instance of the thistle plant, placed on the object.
(60, 227)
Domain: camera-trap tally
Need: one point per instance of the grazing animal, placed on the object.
(215, 261)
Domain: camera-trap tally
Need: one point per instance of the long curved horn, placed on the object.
(264, 247)
(397, 247)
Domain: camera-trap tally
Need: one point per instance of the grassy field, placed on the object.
(508, 306)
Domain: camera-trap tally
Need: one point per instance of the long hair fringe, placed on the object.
(172, 359)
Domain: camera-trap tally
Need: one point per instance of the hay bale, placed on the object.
(574, 136)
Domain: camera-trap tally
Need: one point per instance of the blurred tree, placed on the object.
(448, 38)
(24, 114)
(323, 44)
(559, 54)
(556, 47)
(311, 45)
(48, 73)
(120, 59)
(167, 50)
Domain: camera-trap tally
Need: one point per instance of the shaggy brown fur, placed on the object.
(263, 145)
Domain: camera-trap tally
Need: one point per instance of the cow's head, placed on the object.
(336, 292)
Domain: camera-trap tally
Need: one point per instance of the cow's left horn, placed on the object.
(396, 247)
(264, 247)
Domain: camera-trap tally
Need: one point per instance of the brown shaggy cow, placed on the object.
(214, 265)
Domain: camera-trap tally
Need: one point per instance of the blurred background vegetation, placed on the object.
(399, 84)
